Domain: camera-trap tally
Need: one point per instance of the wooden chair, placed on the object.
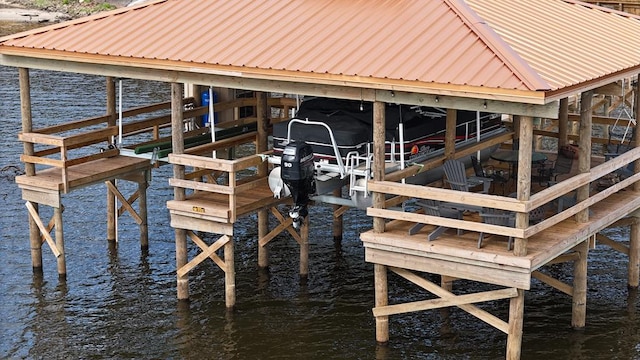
(548, 173)
(497, 217)
(497, 177)
(436, 208)
(456, 175)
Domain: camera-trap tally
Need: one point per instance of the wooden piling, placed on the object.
(62, 264)
(142, 205)
(177, 144)
(523, 179)
(111, 121)
(516, 322)
(262, 146)
(579, 294)
(381, 299)
(634, 240)
(378, 159)
(563, 123)
(229, 274)
(304, 249)
(27, 126)
(336, 227)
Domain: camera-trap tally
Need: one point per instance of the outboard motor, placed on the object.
(297, 175)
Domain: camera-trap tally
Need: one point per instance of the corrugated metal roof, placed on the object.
(566, 42)
(515, 45)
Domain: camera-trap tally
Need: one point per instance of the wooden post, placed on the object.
(30, 169)
(563, 123)
(450, 133)
(584, 149)
(262, 145)
(177, 145)
(579, 302)
(579, 298)
(62, 264)
(229, 274)
(516, 321)
(304, 250)
(634, 241)
(144, 225)
(523, 179)
(111, 198)
(337, 220)
(378, 159)
(381, 299)
(516, 134)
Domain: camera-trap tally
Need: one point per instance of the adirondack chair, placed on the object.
(497, 217)
(456, 175)
(436, 208)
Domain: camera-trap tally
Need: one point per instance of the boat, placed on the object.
(328, 144)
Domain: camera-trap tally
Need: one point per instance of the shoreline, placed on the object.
(11, 12)
(27, 11)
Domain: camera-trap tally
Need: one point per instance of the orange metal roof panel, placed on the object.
(566, 42)
(520, 45)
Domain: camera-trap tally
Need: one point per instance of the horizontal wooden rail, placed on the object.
(216, 164)
(438, 161)
(448, 195)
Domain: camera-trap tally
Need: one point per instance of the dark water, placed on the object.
(119, 302)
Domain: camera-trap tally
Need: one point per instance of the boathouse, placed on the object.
(527, 60)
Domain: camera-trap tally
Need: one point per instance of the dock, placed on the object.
(539, 99)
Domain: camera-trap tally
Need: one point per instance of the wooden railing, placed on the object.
(228, 169)
(536, 201)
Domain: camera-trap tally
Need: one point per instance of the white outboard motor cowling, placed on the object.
(297, 174)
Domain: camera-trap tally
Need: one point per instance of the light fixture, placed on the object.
(437, 99)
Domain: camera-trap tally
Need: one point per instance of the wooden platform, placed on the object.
(207, 206)
(84, 174)
(458, 255)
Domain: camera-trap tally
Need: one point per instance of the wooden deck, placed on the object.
(458, 256)
(84, 174)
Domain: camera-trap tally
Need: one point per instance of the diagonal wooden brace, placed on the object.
(446, 295)
(208, 252)
(43, 229)
(285, 224)
(125, 203)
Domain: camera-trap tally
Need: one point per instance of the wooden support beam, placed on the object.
(378, 159)
(438, 291)
(605, 240)
(523, 180)
(44, 231)
(125, 204)
(304, 249)
(554, 283)
(208, 251)
(381, 287)
(229, 274)
(516, 322)
(454, 300)
(633, 280)
(177, 145)
(338, 211)
(59, 231)
(579, 303)
(563, 123)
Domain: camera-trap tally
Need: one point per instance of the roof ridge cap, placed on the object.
(603, 8)
(498, 46)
